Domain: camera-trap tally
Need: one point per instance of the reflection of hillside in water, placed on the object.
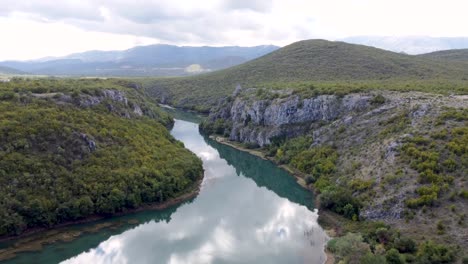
(90, 235)
(181, 115)
(264, 173)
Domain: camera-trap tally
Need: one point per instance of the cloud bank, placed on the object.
(237, 22)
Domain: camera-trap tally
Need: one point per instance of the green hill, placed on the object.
(70, 149)
(456, 55)
(322, 62)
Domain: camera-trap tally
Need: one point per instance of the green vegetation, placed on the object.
(319, 166)
(61, 161)
(315, 67)
(438, 158)
(396, 154)
(82, 91)
(378, 243)
(420, 192)
(455, 55)
(219, 127)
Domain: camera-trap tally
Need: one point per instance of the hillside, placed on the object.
(71, 149)
(456, 55)
(316, 61)
(388, 167)
(9, 71)
(153, 60)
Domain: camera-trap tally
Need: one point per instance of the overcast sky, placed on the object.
(37, 28)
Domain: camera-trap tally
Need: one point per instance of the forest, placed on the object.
(62, 161)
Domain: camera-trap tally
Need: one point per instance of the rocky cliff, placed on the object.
(259, 121)
(124, 104)
(382, 140)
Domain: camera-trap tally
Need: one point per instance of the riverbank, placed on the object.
(325, 217)
(297, 174)
(35, 238)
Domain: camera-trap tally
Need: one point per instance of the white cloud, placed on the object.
(25, 39)
(214, 22)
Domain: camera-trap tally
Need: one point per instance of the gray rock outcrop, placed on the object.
(258, 121)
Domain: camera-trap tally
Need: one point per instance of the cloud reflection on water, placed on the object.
(231, 221)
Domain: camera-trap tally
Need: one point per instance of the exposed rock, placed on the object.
(116, 102)
(237, 91)
(137, 110)
(258, 121)
(380, 212)
(116, 96)
(391, 151)
(91, 143)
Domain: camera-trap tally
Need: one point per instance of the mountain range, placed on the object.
(310, 61)
(7, 71)
(410, 44)
(153, 60)
(168, 60)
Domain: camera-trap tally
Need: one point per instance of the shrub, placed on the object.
(291, 148)
(316, 161)
(430, 252)
(309, 179)
(440, 227)
(378, 99)
(423, 200)
(339, 200)
(393, 257)
(360, 185)
(405, 245)
(465, 260)
(349, 248)
(370, 258)
(464, 194)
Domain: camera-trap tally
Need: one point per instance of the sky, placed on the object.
(32, 29)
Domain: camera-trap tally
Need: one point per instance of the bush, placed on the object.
(464, 194)
(309, 179)
(349, 248)
(428, 200)
(378, 100)
(341, 201)
(430, 252)
(370, 258)
(465, 260)
(316, 161)
(405, 245)
(440, 228)
(288, 149)
(360, 185)
(393, 257)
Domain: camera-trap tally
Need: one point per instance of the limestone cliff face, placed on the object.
(259, 121)
(367, 131)
(116, 101)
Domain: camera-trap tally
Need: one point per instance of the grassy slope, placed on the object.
(457, 55)
(321, 62)
(50, 172)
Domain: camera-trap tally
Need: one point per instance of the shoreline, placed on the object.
(299, 176)
(27, 241)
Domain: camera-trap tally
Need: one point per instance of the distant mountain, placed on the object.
(305, 61)
(456, 55)
(411, 44)
(153, 60)
(9, 70)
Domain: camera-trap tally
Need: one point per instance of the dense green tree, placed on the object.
(61, 161)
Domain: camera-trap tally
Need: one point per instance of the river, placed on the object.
(247, 211)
